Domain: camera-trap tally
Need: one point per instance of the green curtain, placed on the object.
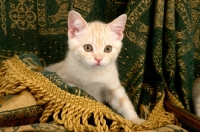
(40, 27)
(161, 46)
(160, 53)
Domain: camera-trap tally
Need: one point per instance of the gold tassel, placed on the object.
(67, 109)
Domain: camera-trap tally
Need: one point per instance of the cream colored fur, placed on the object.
(196, 96)
(95, 72)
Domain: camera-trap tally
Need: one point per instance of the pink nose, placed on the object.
(98, 60)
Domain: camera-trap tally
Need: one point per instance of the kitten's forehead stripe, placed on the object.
(99, 38)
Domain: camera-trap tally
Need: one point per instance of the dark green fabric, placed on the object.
(20, 116)
(40, 27)
(161, 50)
(158, 52)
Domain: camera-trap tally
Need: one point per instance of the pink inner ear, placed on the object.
(73, 29)
(118, 30)
(71, 33)
(118, 25)
(75, 24)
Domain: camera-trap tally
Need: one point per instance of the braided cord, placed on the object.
(68, 109)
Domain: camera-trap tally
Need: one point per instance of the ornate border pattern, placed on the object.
(3, 16)
(22, 15)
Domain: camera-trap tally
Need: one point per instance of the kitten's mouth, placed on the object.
(97, 64)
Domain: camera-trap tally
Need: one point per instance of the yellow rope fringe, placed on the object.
(70, 110)
(173, 99)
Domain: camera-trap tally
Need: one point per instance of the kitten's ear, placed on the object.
(75, 23)
(118, 25)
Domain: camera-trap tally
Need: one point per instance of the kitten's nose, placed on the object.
(98, 60)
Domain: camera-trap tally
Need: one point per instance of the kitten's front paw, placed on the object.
(138, 121)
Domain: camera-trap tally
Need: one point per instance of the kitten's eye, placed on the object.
(88, 48)
(108, 49)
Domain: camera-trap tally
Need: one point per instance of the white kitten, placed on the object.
(90, 63)
(196, 96)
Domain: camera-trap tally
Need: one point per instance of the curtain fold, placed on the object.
(163, 36)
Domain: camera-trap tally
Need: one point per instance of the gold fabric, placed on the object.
(68, 109)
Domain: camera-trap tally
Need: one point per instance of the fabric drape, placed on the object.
(159, 59)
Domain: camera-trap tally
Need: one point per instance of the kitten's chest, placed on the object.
(94, 81)
(95, 89)
(91, 77)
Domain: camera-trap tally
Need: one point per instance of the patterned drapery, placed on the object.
(161, 46)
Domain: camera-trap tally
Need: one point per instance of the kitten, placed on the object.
(196, 96)
(90, 63)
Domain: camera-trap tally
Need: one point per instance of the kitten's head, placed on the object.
(95, 44)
